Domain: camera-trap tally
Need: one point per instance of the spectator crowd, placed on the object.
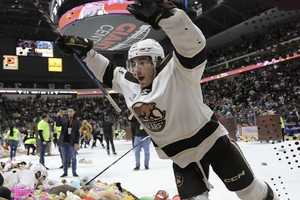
(272, 89)
(276, 41)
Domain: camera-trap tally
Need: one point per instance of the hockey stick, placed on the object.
(117, 160)
(75, 55)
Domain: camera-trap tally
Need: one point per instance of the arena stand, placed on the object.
(20, 110)
(272, 89)
(256, 48)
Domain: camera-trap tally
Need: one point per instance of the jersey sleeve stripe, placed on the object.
(108, 75)
(193, 62)
(208, 129)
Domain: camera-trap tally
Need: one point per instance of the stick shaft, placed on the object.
(117, 160)
(98, 83)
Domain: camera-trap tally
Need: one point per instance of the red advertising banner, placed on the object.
(249, 68)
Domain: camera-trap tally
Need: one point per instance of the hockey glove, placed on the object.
(151, 11)
(73, 44)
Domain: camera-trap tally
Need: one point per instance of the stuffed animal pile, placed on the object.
(23, 181)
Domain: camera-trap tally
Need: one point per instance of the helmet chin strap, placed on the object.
(160, 66)
(154, 71)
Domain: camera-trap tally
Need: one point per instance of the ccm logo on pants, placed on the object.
(235, 178)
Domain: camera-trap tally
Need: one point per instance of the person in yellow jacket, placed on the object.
(29, 142)
(44, 136)
(13, 138)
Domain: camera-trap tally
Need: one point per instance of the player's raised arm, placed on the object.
(186, 37)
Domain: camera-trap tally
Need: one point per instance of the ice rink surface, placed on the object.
(278, 164)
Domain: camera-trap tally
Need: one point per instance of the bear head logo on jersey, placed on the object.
(152, 117)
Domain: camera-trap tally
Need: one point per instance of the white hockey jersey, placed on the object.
(172, 112)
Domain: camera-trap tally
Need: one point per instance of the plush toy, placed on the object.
(146, 198)
(2, 165)
(81, 193)
(40, 174)
(85, 161)
(161, 195)
(21, 192)
(51, 183)
(27, 178)
(11, 178)
(20, 180)
(129, 196)
(71, 196)
(7, 166)
(39, 171)
(126, 195)
(29, 182)
(100, 184)
(176, 197)
(103, 195)
(24, 175)
(62, 189)
(87, 198)
(84, 180)
(75, 183)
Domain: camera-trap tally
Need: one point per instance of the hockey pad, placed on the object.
(256, 190)
(270, 194)
(203, 196)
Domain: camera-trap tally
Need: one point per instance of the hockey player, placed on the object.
(165, 96)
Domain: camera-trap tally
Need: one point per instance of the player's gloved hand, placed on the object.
(74, 44)
(151, 11)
